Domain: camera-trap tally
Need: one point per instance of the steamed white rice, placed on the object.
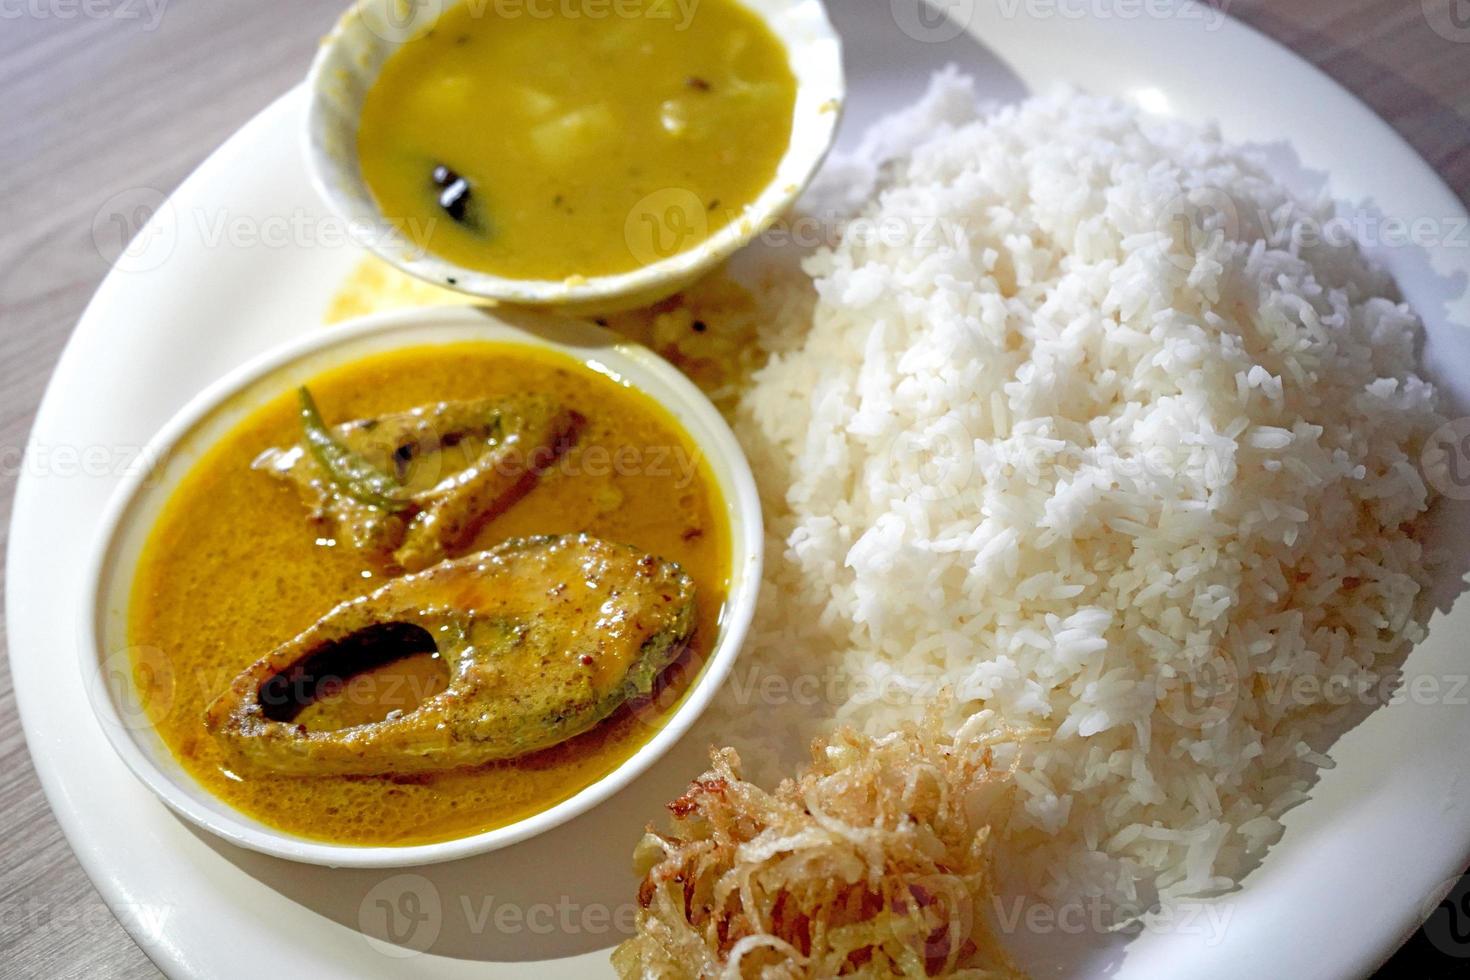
(1078, 432)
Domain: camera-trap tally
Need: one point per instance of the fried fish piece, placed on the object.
(454, 465)
(544, 638)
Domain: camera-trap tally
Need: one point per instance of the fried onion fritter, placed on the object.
(873, 862)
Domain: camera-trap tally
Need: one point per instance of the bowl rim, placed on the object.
(824, 102)
(742, 506)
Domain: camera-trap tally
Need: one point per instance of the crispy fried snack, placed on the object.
(872, 863)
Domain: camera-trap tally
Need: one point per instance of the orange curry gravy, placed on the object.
(234, 567)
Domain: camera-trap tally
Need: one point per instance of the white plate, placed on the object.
(1383, 832)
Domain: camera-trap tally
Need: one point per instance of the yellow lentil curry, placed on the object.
(234, 568)
(545, 141)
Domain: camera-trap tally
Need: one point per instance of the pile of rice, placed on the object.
(1078, 431)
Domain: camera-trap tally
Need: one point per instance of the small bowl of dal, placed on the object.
(591, 156)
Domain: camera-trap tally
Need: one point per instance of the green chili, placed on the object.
(355, 476)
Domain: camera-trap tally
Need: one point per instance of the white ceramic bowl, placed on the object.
(134, 508)
(370, 31)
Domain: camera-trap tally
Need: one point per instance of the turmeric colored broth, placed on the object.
(591, 142)
(234, 567)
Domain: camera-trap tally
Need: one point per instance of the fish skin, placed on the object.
(443, 513)
(594, 622)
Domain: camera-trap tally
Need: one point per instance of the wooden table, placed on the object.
(102, 95)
